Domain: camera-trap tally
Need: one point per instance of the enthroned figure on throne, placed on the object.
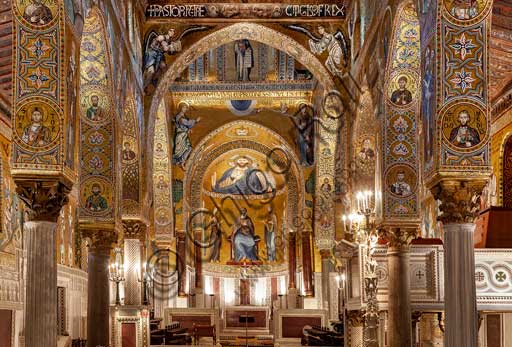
(243, 238)
(243, 178)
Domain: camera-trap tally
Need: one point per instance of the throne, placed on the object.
(231, 239)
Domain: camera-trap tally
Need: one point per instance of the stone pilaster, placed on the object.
(98, 293)
(134, 233)
(399, 297)
(459, 209)
(43, 201)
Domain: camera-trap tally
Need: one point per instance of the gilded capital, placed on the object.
(325, 253)
(355, 318)
(43, 198)
(100, 239)
(134, 229)
(459, 200)
(398, 238)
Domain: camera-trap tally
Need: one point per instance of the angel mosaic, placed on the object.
(335, 44)
(182, 146)
(157, 45)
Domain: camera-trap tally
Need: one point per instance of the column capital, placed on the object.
(459, 200)
(345, 249)
(355, 318)
(398, 238)
(180, 235)
(325, 253)
(100, 239)
(134, 229)
(43, 198)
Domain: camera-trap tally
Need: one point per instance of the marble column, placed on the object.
(198, 261)
(98, 291)
(133, 234)
(355, 328)
(326, 298)
(43, 201)
(292, 258)
(399, 294)
(180, 262)
(460, 289)
(307, 267)
(459, 209)
(416, 318)
(430, 333)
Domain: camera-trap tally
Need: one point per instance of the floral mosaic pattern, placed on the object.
(400, 133)
(97, 125)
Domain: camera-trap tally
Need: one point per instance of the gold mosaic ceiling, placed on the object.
(500, 50)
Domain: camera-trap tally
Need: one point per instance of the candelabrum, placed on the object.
(368, 238)
(116, 275)
(146, 278)
(340, 279)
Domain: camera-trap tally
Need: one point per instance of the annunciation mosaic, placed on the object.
(162, 205)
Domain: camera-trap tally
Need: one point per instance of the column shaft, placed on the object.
(41, 290)
(306, 264)
(198, 260)
(132, 261)
(326, 298)
(399, 301)
(461, 320)
(180, 263)
(98, 302)
(291, 260)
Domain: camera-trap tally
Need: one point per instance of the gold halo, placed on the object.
(44, 113)
(181, 104)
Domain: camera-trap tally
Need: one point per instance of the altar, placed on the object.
(241, 319)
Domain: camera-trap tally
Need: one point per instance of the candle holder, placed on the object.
(368, 237)
(146, 278)
(116, 275)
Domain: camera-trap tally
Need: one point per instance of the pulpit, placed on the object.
(493, 228)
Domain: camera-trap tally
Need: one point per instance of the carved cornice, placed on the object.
(134, 229)
(101, 239)
(43, 198)
(459, 200)
(398, 238)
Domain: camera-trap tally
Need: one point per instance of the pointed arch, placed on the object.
(98, 177)
(400, 167)
(204, 154)
(162, 203)
(253, 31)
(263, 34)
